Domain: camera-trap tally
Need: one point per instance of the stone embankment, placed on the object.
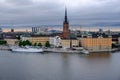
(4, 47)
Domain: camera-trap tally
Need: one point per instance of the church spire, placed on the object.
(66, 19)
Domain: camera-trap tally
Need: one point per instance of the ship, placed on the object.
(26, 49)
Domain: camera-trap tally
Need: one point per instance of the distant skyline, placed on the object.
(51, 12)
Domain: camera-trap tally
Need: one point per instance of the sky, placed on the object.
(51, 12)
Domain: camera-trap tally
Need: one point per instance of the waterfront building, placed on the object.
(55, 41)
(97, 42)
(69, 43)
(24, 38)
(12, 41)
(36, 39)
(75, 43)
(41, 39)
(65, 43)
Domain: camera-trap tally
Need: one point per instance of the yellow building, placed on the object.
(97, 44)
(75, 43)
(12, 41)
(67, 43)
(40, 39)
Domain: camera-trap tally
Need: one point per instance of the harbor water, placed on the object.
(59, 66)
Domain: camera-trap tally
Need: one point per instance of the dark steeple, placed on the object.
(66, 19)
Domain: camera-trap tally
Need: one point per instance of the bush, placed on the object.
(24, 43)
(47, 44)
(35, 44)
(3, 42)
(39, 44)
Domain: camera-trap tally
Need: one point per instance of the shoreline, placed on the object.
(7, 48)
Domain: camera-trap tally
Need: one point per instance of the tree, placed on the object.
(47, 44)
(24, 43)
(39, 44)
(35, 44)
(3, 42)
(20, 43)
(27, 42)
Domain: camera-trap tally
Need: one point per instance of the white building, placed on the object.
(55, 41)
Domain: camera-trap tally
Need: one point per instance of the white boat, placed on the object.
(85, 51)
(27, 49)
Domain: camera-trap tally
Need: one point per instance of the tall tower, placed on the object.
(66, 32)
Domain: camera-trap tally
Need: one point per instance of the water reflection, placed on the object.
(99, 55)
(59, 66)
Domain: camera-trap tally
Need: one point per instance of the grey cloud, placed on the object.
(52, 12)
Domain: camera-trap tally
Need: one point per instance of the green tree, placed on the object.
(47, 44)
(3, 42)
(24, 43)
(20, 43)
(27, 42)
(35, 44)
(39, 44)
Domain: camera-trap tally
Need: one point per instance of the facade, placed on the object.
(41, 40)
(22, 38)
(75, 43)
(39, 29)
(55, 41)
(36, 39)
(97, 44)
(69, 43)
(12, 41)
(65, 43)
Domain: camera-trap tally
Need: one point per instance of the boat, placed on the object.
(85, 51)
(26, 49)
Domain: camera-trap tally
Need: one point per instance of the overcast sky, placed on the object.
(51, 12)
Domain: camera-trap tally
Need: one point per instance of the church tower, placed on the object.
(66, 32)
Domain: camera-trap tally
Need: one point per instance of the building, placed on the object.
(75, 43)
(65, 43)
(39, 30)
(69, 43)
(36, 39)
(24, 38)
(115, 38)
(12, 41)
(55, 41)
(40, 39)
(97, 42)
(66, 32)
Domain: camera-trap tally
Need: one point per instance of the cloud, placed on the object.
(51, 12)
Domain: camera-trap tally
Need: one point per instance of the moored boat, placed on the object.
(27, 49)
(85, 51)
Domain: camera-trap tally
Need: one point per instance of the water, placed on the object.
(59, 66)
